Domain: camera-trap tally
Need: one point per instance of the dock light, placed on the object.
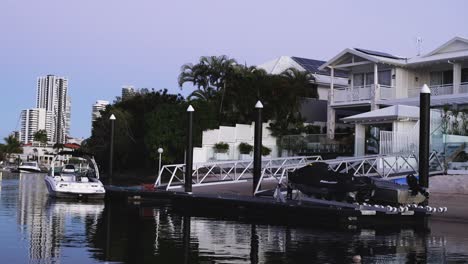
(112, 120)
(160, 151)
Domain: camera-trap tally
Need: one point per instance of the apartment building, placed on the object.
(33, 120)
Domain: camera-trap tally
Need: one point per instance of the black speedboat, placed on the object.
(317, 180)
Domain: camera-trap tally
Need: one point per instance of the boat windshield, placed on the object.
(32, 164)
(81, 167)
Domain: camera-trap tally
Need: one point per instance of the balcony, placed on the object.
(444, 89)
(435, 90)
(361, 94)
(352, 94)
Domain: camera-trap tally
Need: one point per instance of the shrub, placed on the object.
(221, 147)
(265, 151)
(245, 148)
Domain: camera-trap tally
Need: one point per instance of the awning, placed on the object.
(386, 115)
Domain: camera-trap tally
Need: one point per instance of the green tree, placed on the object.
(12, 145)
(2, 152)
(134, 128)
(41, 136)
(58, 146)
(167, 132)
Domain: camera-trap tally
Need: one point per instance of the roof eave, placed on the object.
(348, 50)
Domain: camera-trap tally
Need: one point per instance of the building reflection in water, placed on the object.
(47, 223)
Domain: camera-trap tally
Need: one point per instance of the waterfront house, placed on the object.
(313, 110)
(379, 79)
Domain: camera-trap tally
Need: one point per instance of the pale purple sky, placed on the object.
(101, 45)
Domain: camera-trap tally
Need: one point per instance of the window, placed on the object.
(358, 79)
(441, 77)
(464, 75)
(385, 78)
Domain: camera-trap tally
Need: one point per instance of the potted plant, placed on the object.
(266, 151)
(245, 149)
(221, 150)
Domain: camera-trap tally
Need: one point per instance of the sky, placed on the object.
(103, 45)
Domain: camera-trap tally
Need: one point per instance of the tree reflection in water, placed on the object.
(141, 234)
(37, 229)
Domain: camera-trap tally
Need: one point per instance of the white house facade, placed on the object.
(378, 79)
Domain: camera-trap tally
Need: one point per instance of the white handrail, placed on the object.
(228, 170)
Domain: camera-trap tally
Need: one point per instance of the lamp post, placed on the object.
(112, 120)
(189, 151)
(424, 127)
(160, 151)
(257, 161)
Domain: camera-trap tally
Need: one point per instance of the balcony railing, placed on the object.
(364, 93)
(463, 87)
(387, 92)
(435, 90)
(352, 94)
(361, 93)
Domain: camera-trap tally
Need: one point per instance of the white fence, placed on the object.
(400, 142)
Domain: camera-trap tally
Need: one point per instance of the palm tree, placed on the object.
(208, 76)
(58, 146)
(41, 136)
(290, 89)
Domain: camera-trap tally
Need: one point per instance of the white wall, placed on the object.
(233, 136)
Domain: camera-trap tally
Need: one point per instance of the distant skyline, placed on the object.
(101, 46)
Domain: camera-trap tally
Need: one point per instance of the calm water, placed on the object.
(36, 229)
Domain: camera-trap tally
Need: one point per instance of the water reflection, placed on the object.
(37, 229)
(158, 234)
(49, 227)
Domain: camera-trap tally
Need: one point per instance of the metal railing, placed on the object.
(228, 171)
(398, 142)
(383, 166)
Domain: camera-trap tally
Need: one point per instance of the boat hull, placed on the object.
(84, 196)
(29, 170)
(74, 190)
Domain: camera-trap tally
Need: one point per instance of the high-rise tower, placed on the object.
(52, 95)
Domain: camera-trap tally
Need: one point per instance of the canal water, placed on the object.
(37, 229)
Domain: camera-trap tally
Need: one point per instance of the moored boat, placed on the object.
(29, 166)
(317, 180)
(74, 180)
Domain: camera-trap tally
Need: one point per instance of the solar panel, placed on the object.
(378, 53)
(312, 66)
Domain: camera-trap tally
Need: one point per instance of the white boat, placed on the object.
(30, 166)
(78, 180)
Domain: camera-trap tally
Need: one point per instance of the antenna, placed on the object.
(419, 41)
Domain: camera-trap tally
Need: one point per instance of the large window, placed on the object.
(441, 77)
(385, 78)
